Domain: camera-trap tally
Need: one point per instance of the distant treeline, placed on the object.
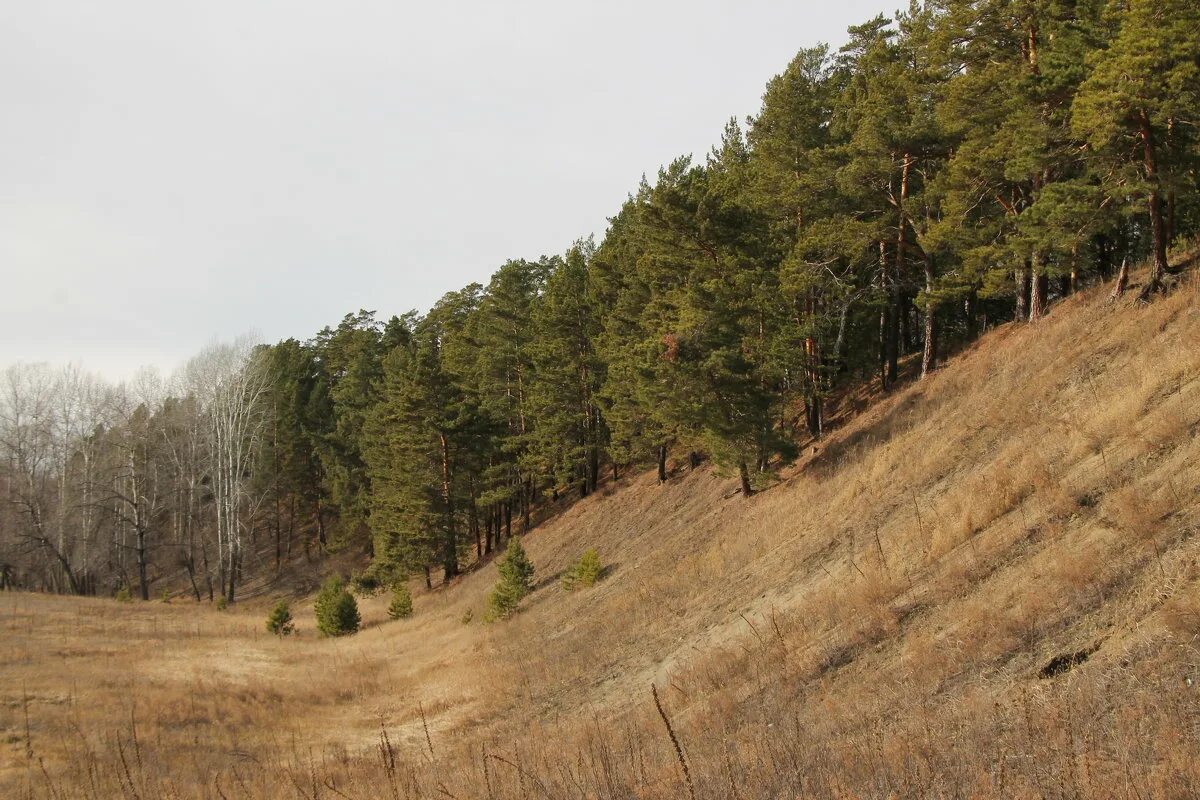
(961, 165)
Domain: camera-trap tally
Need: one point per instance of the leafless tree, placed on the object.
(231, 382)
(27, 446)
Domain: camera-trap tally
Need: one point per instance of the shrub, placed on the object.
(280, 620)
(515, 575)
(336, 609)
(467, 616)
(222, 603)
(123, 595)
(401, 605)
(583, 573)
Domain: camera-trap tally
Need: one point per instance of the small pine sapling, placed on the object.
(584, 573)
(280, 620)
(336, 609)
(401, 605)
(515, 582)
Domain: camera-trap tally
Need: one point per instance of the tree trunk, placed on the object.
(593, 461)
(527, 498)
(68, 573)
(898, 311)
(812, 365)
(929, 353)
(291, 529)
(450, 556)
(1104, 257)
(744, 477)
(143, 582)
(320, 518)
(474, 522)
(475, 530)
(234, 563)
(1170, 217)
(1170, 192)
(910, 323)
(970, 308)
(839, 345)
(662, 463)
(190, 566)
(884, 316)
(207, 571)
(1122, 281)
(1037, 289)
(814, 411)
(892, 340)
(1158, 269)
(1022, 310)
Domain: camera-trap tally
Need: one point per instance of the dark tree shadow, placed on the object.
(548, 580)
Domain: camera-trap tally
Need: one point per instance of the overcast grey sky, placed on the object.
(171, 173)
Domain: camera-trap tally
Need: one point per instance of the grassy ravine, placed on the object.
(877, 625)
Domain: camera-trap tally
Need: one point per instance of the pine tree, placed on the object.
(583, 573)
(1023, 205)
(335, 609)
(631, 393)
(289, 460)
(351, 361)
(787, 183)
(516, 574)
(1137, 111)
(279, 622)
(502, 331)
(566, 442)
(415, 436)
(401, 605)
(892, 79)
(712, 302)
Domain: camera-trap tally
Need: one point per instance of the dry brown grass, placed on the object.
(873, 626)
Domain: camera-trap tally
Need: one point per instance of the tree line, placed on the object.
(107, 487)
(961, 164)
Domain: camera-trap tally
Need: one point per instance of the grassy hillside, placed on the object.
(985, 585)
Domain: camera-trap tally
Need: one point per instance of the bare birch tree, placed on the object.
(231, 382)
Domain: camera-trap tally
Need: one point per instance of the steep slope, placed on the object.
(984, 585)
